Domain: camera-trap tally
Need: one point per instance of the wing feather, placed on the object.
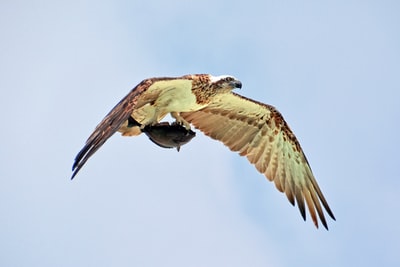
(259, 132)
(109, 125)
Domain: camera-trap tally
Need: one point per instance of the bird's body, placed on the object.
(255, 130)
(162, 97)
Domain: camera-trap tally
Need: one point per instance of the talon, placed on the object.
(183, 123)
(180, 121)
(186, 125)
(143, 127)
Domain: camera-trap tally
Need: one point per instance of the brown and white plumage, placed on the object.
(259, 132)
(255, 130)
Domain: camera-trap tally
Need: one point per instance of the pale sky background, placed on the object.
(331, 67)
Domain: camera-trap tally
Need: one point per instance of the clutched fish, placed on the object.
(164, 134)
(168, 135)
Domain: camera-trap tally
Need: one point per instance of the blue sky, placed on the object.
(331, 68)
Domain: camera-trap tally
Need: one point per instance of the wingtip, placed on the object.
(331, 214)
(73, 175)
(325, 225)
(75, 169)
(323, 221)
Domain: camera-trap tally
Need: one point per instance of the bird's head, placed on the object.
(225, 82)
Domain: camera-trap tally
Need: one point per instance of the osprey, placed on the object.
(253, 129)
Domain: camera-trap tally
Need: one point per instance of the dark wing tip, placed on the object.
(329, 211)
(109, 125)
(74, 173)
(80, 159)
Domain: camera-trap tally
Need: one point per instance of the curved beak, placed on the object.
(236, 84)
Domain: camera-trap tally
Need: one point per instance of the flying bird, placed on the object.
(253, 129)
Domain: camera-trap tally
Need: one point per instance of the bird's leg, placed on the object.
(151, 119)
(179, 120)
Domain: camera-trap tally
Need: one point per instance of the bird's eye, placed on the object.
(228, 79)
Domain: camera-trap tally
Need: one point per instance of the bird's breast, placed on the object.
(175, 96)
(163, 97)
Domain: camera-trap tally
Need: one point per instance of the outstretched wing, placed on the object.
(260, 133)
(109, 125)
